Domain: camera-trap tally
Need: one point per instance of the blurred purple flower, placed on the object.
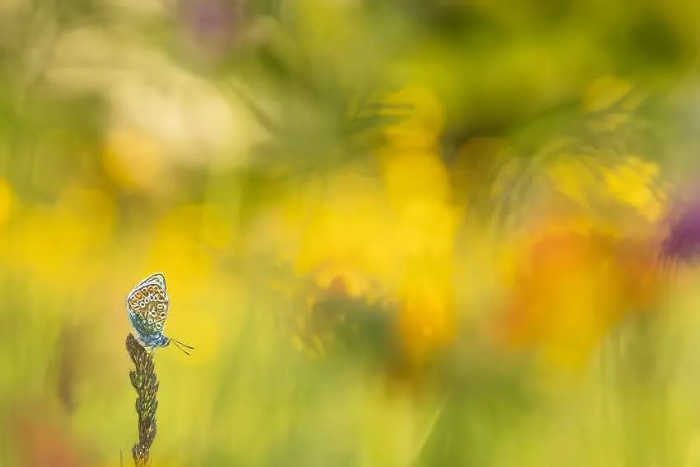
(682, 242)
(212, 24)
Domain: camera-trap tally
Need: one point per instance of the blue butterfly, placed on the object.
(147, 308)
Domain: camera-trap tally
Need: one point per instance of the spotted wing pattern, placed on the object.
(147, 306)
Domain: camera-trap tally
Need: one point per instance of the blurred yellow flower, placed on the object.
(629, 182)
(184, 248)
(388, 239)
(412, 176)
(184, 243)
(7, 200)
(604, 92)
(419, 189)
(419, 128)
(632, 182)
(134, 160)
(427, 313)
(348, 229)
(573, 178)
(65, 244)
(612, 101)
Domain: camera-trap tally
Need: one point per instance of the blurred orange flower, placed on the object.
(42, 441)
(570, 287)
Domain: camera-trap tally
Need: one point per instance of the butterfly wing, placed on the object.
(139, 324)
(156, 279)
(147, 306)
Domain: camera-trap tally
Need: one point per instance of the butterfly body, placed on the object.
(157, 341)
(147, 308)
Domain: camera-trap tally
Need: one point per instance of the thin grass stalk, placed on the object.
(144, 380)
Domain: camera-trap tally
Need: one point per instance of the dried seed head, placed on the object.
(145, 381)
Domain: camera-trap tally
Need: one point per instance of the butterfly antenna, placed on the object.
(182, 344)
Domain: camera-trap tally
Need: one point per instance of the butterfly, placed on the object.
(147, 308)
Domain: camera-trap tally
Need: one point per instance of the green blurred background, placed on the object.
(397, 232)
